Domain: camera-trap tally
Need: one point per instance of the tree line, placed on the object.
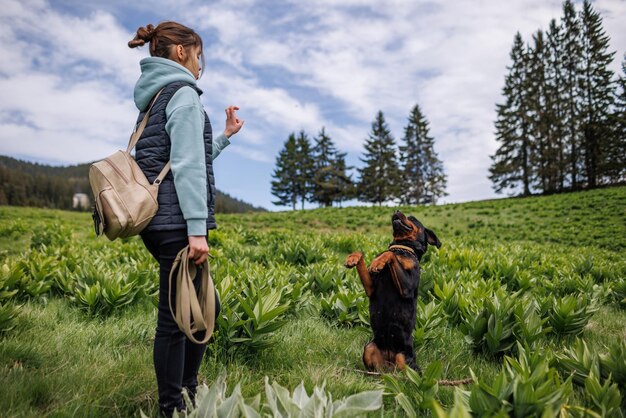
(316, 172)
(30, 184)
(562, 123)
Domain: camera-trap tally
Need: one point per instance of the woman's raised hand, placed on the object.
(233, 123)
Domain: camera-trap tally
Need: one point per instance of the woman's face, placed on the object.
(191, 59)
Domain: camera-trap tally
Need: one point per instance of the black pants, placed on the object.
(176, 359)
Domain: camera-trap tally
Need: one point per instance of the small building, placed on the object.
(81, 201)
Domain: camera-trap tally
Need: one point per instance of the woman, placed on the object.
(178, 131)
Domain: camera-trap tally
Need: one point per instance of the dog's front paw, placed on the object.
(353, 259)
(378, 264)
(376, 267)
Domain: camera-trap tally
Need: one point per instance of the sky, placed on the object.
(67, 76)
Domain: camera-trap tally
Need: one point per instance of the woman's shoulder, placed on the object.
(184, 97)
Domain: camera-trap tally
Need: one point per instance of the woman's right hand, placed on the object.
(233, 123)
(198, 249)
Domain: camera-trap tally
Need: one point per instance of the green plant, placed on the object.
(525, 387)
(537, 388)
(10, 277)
(613, 363)
(8, 314)
(320, 403)
(460, 408)
(324, 278)
(578, 361)
(50, 236)
(570, 314)
(450, 300)
(39, 272)
(260, 316)
(490, 328)
(212, 402)
(429, 320)
(604, 398)
(417, 392)
(530, 326)
(619, 292)
(346, 307)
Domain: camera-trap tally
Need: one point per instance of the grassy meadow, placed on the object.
(528, 295)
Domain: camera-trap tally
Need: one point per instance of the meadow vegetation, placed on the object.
(526, 295)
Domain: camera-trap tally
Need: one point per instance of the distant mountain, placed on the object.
(31, 184)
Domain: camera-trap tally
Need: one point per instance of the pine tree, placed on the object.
(615, 164)
(343, 181)
(572, 52)
(554, 88)
(324, 154)
(285, 184)
(511, 162)
(380, 177)
(544, 144)
(305, 168)
(422, 172)
(596, 93)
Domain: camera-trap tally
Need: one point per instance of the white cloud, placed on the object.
(288, 65)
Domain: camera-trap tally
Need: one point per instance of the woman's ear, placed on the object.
(181, 53)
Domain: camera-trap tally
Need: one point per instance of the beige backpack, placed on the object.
(126, 201)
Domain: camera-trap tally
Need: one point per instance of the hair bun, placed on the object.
(143, 36)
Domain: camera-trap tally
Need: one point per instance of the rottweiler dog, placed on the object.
(391, 284)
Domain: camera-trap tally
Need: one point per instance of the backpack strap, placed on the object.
(134, 138)
(139, 129)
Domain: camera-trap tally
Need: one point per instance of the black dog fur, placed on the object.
(391, 283)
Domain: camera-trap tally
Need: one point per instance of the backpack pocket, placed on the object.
(115, 211)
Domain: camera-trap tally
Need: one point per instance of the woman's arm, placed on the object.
(185, 126)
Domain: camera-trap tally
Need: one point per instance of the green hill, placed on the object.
(595, 218)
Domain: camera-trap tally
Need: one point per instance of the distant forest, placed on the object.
(30, 184)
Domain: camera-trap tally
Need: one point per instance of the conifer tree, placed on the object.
(511, 162)
(615, 165)
(544, 144)
(572, 52)
(324, 155)
(554, 89)
(380, 176)
(344, 186)
(422, 172)
(596, 88)
(305, 168)
(285, 184)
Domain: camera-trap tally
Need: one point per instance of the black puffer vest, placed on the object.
(153, 152)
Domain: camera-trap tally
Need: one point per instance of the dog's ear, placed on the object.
(431, 238)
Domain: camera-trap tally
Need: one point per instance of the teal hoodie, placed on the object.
(185, 127)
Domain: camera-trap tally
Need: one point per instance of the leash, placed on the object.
(193, 315)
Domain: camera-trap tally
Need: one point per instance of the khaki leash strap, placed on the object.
(193, 315)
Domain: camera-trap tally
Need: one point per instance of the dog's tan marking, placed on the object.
(373, 358)
(400, 361)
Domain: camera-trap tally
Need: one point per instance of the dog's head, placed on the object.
(409, 231)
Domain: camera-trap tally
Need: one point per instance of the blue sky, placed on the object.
(67, 75)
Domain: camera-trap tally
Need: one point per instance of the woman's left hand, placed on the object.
(233, 123)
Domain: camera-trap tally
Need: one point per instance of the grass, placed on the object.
(61, 361)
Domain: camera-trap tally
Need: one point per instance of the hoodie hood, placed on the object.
(156, 73)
